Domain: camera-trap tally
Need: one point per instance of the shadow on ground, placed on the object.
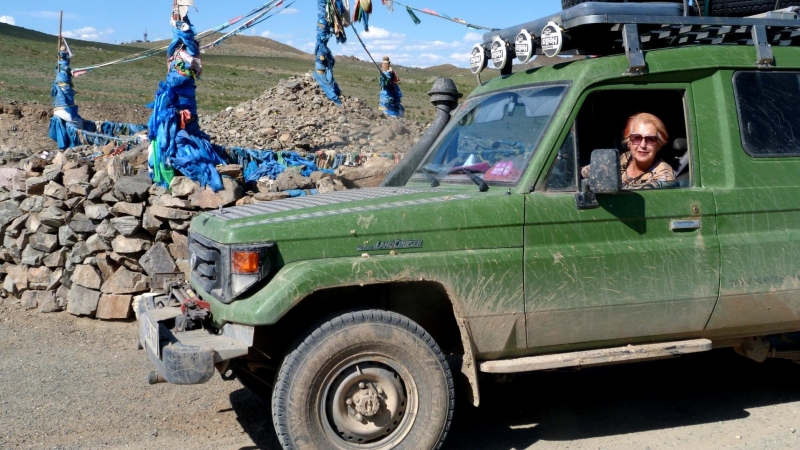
(597, 402)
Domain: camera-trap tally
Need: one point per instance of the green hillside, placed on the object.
(237, 73)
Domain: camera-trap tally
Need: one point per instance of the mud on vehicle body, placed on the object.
(360, 313)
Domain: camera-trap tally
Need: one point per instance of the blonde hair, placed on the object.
(661, 129)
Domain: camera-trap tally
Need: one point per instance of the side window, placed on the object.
(769, 112)
(601, 124)
(563, 173)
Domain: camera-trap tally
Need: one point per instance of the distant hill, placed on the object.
(255, 46)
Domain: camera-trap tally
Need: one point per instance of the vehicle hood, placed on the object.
(372, 221)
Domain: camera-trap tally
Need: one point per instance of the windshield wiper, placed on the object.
(431, 178)
(482, 186)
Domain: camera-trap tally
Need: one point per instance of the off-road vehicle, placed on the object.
(358, 313)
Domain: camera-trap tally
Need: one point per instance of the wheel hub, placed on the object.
(366, 402)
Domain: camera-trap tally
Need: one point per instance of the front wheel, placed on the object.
(364, 380)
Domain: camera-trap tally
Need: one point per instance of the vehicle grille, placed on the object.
(206, 263)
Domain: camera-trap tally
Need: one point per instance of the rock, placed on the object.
(170, 213)
(106, 265)
(206, 198)
(157, 260)
(35, 185)
(33, 223)
(151, 223)
(8, 212)
(39, 278)
(124, 244)
(82, 301)
(96, 244)
(291, 179)
(32, 204)
(97, 178)
(163, 236)
(56, 259)
(16, 225)
(127, 262)
(133, 188)
(246, 200)
(328, 185)
(106, 230)
(78, 175)
(182, 187)
(66, 237)
(44, 242)
(61, 296)
(110, 198)
(170, 202)
(52, 217)
(180, 243)
(55, 190)
(127, 209)
(126, 282)
(79, 189)
(16, 276)
(270, 196)
(114, 307)
(55, 279)
(31, 256)
(47, 302)
(78, 253)
(231, 170)
(12, 179)
(29, 300)
(96, 211)
(118, 168)
(126, 225)
(104, 187)
(86, 276)
(82, 224)
(183, 266)
(180, 225)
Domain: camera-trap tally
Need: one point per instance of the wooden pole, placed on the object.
(60, 29)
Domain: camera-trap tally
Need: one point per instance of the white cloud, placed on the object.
(431, 56)
(434, 45)
(88, 33)
(8, 19)
(274, 36)
(289, 11)
(473, 37)
(48, 14)
(380, 33)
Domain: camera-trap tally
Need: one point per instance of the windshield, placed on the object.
(493, 136)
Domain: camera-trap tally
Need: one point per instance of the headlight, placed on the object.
(248, 266)
(228, 271)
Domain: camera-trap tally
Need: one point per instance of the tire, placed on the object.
(570, 3)
(364, 380)
(742, 8)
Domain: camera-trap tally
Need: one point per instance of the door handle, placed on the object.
(683, 225)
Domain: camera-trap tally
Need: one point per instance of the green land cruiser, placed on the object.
(359, 313)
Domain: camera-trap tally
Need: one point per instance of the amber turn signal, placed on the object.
(245, 262)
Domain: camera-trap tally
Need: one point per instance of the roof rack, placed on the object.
(601, 29)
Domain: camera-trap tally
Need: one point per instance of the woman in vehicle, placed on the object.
(641, 167)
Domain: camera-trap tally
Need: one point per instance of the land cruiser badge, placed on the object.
(523, 46)
(391, 245)
(552, 40)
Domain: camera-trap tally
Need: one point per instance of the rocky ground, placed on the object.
(71, 383)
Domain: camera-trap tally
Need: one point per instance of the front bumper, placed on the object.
(187, 357)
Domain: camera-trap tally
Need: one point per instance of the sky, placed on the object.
(432, 42)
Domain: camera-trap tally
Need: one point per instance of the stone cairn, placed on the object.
(86, 230)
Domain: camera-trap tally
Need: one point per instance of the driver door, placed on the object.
(643, 266)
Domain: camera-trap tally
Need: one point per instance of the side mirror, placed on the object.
(604, 172)
(604, 178)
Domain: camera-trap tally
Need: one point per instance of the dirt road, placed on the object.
(70, 383)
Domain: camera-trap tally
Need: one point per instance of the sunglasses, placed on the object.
(636, 139)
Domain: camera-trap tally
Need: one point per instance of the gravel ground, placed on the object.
(77, 383)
